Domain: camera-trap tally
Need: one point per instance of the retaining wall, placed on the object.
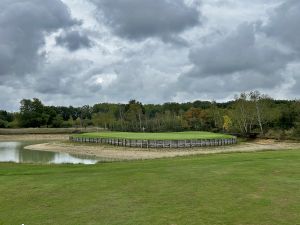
(158, 143)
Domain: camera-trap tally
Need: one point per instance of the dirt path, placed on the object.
(122, 153)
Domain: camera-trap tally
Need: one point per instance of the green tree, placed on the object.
(134, 114)
(32, 113)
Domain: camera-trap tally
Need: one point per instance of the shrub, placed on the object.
(3, 124)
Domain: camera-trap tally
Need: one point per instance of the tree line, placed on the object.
(249, 113)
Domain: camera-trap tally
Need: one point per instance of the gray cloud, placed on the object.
(239, 51)
(139, 19)
(68, 78)
(228, 53)
(238, 62)
(224, 87)
(73, 40)
(23, 25)
(283, 24)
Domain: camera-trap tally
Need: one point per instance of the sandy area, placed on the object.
(122, 153)
(34, 137)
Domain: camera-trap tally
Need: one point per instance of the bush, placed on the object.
(67, 124)
(3, 124)
(296, 132)
(276, 134)
(57, 121)
(13, 124)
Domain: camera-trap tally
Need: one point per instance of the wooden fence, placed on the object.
(157, 143)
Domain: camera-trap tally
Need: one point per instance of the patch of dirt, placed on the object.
(265, 141)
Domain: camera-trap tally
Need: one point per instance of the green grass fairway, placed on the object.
(156, 136)
(226, 189)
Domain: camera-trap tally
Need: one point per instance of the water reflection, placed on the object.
(15, 152)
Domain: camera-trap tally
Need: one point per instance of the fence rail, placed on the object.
(157, 143)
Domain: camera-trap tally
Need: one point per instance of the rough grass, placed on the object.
(226, 189)
(9, 131)
(156, 136)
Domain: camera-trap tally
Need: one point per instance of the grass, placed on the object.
(225, 189)
(156, 136)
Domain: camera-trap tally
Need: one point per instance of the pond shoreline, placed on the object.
(14, 151)
(60, 143)
(124, 153)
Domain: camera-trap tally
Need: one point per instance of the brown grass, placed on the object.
(7, 131)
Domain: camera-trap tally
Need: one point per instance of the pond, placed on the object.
(15, 152)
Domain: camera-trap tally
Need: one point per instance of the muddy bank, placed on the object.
(34, 137)
(123, 153)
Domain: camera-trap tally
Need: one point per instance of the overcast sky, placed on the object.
(77, 52)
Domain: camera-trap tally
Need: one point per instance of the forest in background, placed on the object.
(248, 114)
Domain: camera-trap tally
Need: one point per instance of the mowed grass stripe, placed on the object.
(190, 135)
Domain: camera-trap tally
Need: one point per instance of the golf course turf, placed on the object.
(189, 135)
(230, 189)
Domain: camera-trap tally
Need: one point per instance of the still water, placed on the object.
(15, 152)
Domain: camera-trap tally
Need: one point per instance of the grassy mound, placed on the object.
(191, 135)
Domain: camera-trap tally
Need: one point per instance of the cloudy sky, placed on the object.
(87, 51)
